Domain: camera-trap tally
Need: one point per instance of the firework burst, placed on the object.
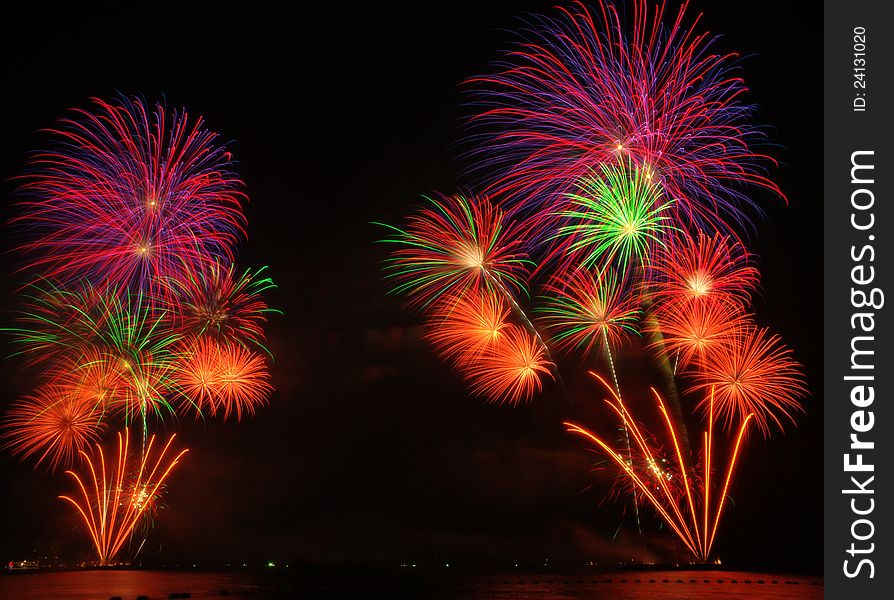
(589, 311)
(453, 245)
(751, 373)
(615, 217)
(52, 425)
(114, 496)
(464, 328)
(129, 196)
(227, 380)
(580, 91)
(692, 330)
(222, 303)
(512, 371)
(701, 267)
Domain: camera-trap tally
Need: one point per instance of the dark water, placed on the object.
(650, 585)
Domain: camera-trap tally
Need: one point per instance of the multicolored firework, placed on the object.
(115, 496)
(581, 90)
(683, 497)
(221, 303)
(129, 196)
(134, 307)
(753, 373)
(622, 161)
(453, 245)
(589, 311)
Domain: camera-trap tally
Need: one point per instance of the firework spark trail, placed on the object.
(694, 524)
(583, 308)
(110, 509)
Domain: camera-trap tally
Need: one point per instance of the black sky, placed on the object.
(370, 448)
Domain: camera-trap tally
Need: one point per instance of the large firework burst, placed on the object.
(581, 90)
(129, 196)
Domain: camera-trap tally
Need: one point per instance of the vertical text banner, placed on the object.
(858, 334)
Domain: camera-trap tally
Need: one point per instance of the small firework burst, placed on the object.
(590, 311)
(701, 267)
(220, 302)
(464, 328)
(512, 371)
(691, 330)
(452, 245)
(616, 216)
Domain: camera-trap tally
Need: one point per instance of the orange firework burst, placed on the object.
(510, 372)
(228, 379)
(53, 425)
(752, 373)
(702, 267)
(198, 375)
(693, 329)
(244, 381)
(683, 498)
(465, 327)
(589, 311)
(115, 496)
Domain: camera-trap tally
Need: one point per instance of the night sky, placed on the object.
(371, 449)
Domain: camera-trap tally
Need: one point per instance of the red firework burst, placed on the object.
(454, 245)
(701, 267)
(222, 379)
(220, 302)
(692, 330)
